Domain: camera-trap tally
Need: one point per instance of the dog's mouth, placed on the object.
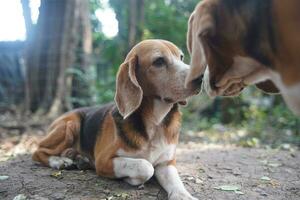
(235, 90)
(232, 88)
(170, 100)
(183, 103)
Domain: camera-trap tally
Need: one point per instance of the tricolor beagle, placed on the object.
(136, 137)
(246, 42)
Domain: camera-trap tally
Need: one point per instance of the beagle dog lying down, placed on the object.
(246, 42)
(135, 138)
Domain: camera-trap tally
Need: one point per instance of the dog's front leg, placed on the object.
(169, 179)
(134, 171)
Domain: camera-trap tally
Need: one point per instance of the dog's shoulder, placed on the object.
(91, 123)
(132, 130)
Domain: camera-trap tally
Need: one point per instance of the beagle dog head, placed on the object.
(220, 42)
(153, 68)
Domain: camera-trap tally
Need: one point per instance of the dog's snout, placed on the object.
(212, 83)
(198, 81)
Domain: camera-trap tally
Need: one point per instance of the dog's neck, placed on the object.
(155, 110)
(160, 110)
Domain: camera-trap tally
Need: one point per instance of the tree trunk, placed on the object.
(67, 50)
(132, 23)
(79, 86)
(27, 17)
(136, 21)
(141, 17)
(51, 51)
(28, 25)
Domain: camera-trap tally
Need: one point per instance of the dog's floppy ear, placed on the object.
(189, 36)
(129, 93)
(268, 87)
(200, 28)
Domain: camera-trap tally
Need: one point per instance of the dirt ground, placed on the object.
(257, 173)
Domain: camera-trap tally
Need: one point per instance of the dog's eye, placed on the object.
(181, 57)
(159, 62)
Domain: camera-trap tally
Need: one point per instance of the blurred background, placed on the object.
(56, 55)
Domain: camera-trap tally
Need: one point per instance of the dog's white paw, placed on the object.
(181, 195)
(57, 162)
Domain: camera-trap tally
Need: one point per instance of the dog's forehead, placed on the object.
(149, 49)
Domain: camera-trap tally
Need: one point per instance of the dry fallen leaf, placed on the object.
(274, 164)
(198, 181)
(189, 178)
(122, 195)
(57, 175)
(274, 183)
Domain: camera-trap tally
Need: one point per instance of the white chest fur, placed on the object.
(156, 151)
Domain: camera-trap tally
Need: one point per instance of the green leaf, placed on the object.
(265, 178)
(20, 197)
(2, 178)
(228, 187)
(274, 165)
(239, 192)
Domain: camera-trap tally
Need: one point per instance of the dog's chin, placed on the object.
(168, 100)
(209, 91)
(231, 94)
(182, 102)
(227, 93)
(231, 91)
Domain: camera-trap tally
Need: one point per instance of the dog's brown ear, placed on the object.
(268, 87)
(200, 29)
(129, 93)
(189, 36)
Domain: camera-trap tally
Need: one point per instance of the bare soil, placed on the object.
(260, 174)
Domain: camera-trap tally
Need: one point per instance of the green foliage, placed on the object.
(168, 20)
(251, 119)
(83, 77)
(273, 124)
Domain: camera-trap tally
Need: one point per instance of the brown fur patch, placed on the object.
(172, 162)
(61, 135)
(106, 147)
(287, 22)
(172, 124)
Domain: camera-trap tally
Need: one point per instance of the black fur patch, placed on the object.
(135, 122)
(91, 124)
